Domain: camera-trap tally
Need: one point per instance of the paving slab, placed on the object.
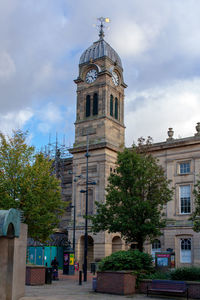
(68, 288)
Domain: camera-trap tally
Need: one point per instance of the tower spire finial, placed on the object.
(102, 26)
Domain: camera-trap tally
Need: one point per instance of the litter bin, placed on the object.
(94, 284)
(48, 275)
(93, 268)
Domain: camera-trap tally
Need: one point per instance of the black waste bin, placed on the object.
(93, 268)
(48, 275)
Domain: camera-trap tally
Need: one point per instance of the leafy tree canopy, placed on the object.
(196, 214)
(136, 195)
(27, 183)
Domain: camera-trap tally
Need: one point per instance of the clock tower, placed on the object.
(100, 121)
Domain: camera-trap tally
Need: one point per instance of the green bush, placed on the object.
(190, 273)
(156, 275)
(127, 260)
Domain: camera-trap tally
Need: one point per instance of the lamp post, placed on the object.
(74, 221)
(74, 207)
(86, 214)
(74, 227)
(87, 155)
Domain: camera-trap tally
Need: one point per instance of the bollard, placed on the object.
(94, 269)
(80, 277)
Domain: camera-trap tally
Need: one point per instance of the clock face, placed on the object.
(115, 78)
(91, 76)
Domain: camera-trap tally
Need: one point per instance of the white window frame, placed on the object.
(183, 169)
(186, 253)
(154, 250)
(186, 199)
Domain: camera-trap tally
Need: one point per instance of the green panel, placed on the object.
(53, 252)
(43, 255)
(39, 256)
(49, 253)
(47, 256)
(31, 255)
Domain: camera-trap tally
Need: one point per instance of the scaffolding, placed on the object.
(62, 168)
(58, 153)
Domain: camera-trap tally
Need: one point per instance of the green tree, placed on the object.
(136, 195)
(27, 183)
(196, 214)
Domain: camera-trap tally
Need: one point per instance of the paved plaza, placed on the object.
(68, 288)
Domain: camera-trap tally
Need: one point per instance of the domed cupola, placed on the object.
(100, 49)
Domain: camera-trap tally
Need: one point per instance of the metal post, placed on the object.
(74, 223)
(86, 214)
(80, 277)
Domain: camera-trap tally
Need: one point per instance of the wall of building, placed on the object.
(172, 155)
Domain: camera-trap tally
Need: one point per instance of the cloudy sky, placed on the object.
(41, 42)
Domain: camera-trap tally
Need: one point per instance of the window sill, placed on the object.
(184, 214)
(183, 174)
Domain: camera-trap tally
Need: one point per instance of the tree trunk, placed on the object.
(140, 245)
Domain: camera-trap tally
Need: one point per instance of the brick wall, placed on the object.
(35, 275)
(121, 283)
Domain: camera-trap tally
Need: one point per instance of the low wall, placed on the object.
(193, 288)
(35, 275)
(116, 282)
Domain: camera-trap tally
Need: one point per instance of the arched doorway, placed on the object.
(116, 244)
(90, 251)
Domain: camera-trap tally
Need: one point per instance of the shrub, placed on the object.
(190, 273)
(156, 275)
(127, 260)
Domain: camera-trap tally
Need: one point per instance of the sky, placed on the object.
(41, 42)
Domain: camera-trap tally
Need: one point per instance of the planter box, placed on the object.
(193, 288)
(35, 275)
(116, 282)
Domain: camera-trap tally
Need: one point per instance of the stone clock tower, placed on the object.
(100, 120)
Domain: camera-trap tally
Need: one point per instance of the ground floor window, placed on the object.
(155, 247)
(185, 253)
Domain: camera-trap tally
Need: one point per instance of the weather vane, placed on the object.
(101, 26)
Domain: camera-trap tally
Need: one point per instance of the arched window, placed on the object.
(185, 256)
(87, 110)
(116, 108)
(111, 105)
(134, 246)
(155, 247)
(156, 244)
(116, 244)
(95, 104)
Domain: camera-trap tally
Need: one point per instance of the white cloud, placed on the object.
(134, 38)
(7, 66)
(49, 117)
(15, 120)
(44, 127)
(51, 113)
(43, 76)
(158, 42)
(176, 105)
